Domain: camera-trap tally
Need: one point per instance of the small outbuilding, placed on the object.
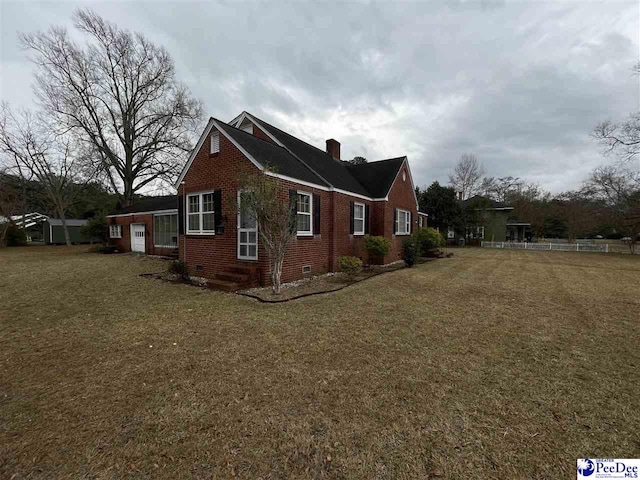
(54, 233)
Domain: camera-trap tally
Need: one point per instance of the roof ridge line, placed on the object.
(257, 120)
(302, 161)
(402, 157)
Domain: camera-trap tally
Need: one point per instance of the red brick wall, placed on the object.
(214, 253)
(124, 243)
(401, 196)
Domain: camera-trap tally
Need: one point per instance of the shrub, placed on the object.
(15, 236)
(351, 266)
(377, 247)
(429, 239)
(96, 229)
(409, 251)
(179, 268)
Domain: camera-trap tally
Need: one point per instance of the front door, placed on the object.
(137, 237)
(247, 232)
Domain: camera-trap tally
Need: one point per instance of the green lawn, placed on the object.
(491, 364)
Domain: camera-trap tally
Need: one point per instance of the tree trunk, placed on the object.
(276, 274)
(67, 237)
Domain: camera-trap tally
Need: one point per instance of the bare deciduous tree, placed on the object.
(10, 204)
(267, 201)
(621, 139)
(466, 176)
(119, 94)
(501, 188)
(619, 187)
(33, 151)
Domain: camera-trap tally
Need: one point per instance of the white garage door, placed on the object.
(137, 237)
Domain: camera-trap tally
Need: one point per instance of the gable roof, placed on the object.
(149, 204)
(269, 154)
(324, 165)
(296, 160)
(377, 177)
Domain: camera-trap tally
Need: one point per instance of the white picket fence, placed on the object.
(561, 247)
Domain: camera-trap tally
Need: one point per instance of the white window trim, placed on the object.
(214, 134)
(407, 223)
(358, 232)
(118, 228)
(304, 233)
(154, 230)
(200, 195)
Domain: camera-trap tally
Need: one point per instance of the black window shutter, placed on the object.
(181, 215)
(293, 205)
(395, 220)
(316, 214)
(366, 219)
(410, 222)
(217, 211)
(351, 225)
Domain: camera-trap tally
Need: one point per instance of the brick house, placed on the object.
(149, 226)
(336, 204)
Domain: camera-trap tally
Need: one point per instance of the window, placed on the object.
(247, 127)
(304, 213)
(475, 233)
(420, 221)
(115, 231)
(215, 142)
(358, 219)
(200, 214)
(403, 220)
(165, 230)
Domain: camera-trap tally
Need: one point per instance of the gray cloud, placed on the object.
(519, 84)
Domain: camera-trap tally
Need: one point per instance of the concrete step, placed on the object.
(233, 277)
(223, 285)
(241, 269)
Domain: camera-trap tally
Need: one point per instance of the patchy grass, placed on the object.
(492, 364)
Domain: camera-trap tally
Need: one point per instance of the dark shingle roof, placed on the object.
(480, 202)
(150, 204)
(334, 172)
(377, 177)
(269, 154)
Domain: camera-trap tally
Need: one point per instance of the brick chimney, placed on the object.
(333, 148)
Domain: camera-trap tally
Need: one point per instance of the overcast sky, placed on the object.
(520, 84)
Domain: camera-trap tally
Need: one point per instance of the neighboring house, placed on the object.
(54, 232)
(486, 219)
(150, 226)
(336, 205)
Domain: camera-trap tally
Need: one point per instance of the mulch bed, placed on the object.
(317, 285)
(330, 282)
